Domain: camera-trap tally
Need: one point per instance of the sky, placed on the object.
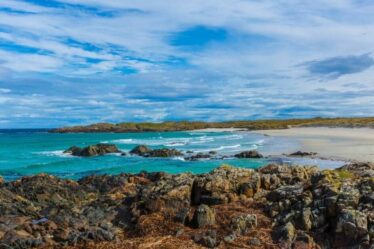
(70, 62)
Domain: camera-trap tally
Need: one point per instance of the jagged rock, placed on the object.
(219, 186)
(242, 224)
(285, 233)
(92, 150)
(353, 224)
(249, 154)
(204, 216)
(301, 206)
(165, 153)
(141, 150)
(207, 239)
(74, 150)
(20, 239)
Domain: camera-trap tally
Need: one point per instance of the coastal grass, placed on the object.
(248, 125)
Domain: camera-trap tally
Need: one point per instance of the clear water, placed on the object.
(31, 152)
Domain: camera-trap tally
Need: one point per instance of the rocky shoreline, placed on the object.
(276, 206)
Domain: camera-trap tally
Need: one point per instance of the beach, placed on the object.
(336, 143)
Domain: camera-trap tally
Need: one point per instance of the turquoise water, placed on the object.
(32, 152)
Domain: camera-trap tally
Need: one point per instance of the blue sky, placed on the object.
(68, 62)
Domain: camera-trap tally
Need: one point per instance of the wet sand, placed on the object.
(336, 143)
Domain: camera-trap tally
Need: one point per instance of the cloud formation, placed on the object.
(65, 62)
(338, 66)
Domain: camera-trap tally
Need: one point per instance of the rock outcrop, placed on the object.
(249, 154)
(303, 154)
(145, 151)
(277, 206)
(92, 150)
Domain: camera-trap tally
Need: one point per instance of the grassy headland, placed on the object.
(193, 125)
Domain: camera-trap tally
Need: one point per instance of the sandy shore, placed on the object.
(338, 143)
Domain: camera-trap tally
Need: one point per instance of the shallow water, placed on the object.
(30, 152)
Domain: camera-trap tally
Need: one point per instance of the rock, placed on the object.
(249, 154)
(301, 207)
(198, 156)
(219, 186)
(1, 181)
(230, 238)
(204, 216)
(285, 233)
(353, 224)
(74, 150)
(165, 153)
(92, 150)
(207, 239)
(242, 224)
(20, 239)
(303, 154)
(254, 242)
(141, 150)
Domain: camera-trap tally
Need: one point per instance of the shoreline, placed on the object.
(348, 144)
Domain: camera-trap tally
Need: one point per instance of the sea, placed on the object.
(33, 151)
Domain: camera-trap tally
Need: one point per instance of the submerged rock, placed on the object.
(92, 150)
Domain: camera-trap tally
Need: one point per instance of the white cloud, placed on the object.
(77, 58)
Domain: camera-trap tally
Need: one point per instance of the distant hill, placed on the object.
(193, 125)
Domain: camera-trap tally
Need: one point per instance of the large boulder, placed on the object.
(219, 186)
(249, 154)
(92, 150)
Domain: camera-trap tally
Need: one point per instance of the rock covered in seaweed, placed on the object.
(249, 154)
(92, 150)
(145, 151)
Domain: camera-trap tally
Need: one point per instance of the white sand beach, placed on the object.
(338, 143)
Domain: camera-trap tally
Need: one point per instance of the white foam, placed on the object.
(58, 153)
(178, 158)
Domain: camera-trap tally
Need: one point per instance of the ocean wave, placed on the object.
(223, 147)
(58, 153)
(175, 144)
(231, 137)
(178, 158)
